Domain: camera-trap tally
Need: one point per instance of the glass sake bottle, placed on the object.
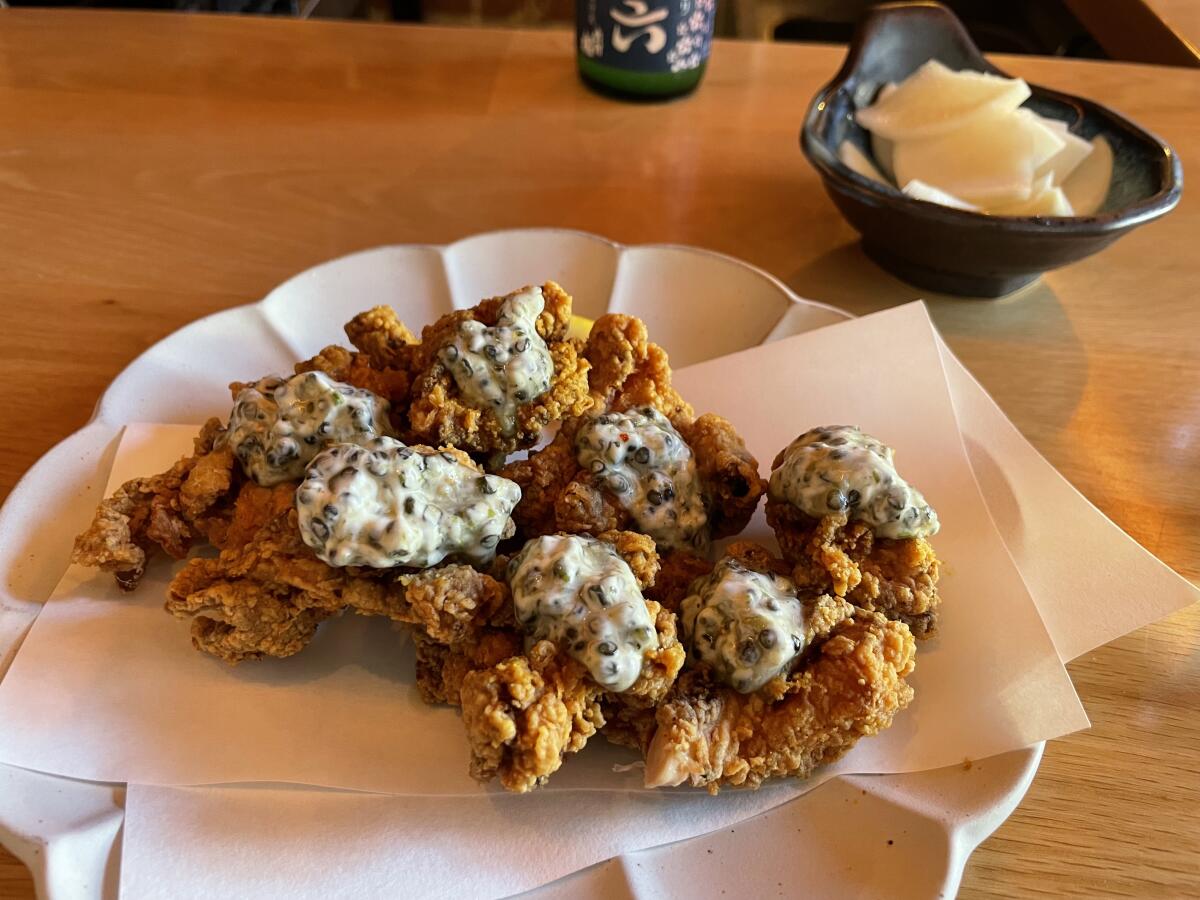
(643, 49)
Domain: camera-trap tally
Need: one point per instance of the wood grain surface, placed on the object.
(156, 168)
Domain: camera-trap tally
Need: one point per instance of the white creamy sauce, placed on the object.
(278, 425)
(639, 457)
(747, 626)
(384, 504)
(839, 469)
(505, 366)
(579, 593)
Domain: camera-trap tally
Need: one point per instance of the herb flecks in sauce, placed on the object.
(839, 469)
(639, 457)
(278, 425)
(747, 626)
(384, 504)
(505, 366)
(579, 593)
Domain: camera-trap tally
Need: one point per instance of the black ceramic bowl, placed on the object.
(950, 250)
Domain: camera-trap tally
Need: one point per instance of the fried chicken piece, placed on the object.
(266, 597)
(241, 619)
(711, 736)
(550, 480)
(728, 470)
(679, 569)
(170, 511)
(442, 667)
(526, 713)
(439, 414)
(632, 724)
(628, 372)
(895, 577)
(343, 365)
(381, 335)
(442, 664)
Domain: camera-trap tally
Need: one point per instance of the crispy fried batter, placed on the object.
(442, 667)
(895, 577)
(727, 469)
(170, 512)
(554, 494)
(526, 708)
(353, 368)
(438, 415)
(628, 371)
(526, 713)
(276, 572)
(631, 723)
(679, 569)
(638, 552)
(381, 335)
(711, 736)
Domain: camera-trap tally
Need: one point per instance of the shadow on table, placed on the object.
(1018, 347)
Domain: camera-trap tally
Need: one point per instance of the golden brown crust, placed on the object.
(255, 590)
(628, 371)
(386, 341)
(711, 736)
(348, 367)
(728, 471)
(525, 709)
(438, 413)
(167, 512)
(525, 714)
(442, 667)
(679, 569)
(895, 577)
(638, 551)
(632, 723)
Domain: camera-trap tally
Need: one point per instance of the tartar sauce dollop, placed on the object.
(279, 424)
(383, 504)
(642, 461)
(579, 593)
(747, 626)
(840, 469)
(506, 365)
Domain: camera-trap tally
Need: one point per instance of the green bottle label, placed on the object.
(652, 36)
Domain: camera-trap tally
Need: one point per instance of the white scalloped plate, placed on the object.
(698, 305)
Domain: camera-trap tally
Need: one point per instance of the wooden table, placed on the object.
(1181, 16)
(155, 168)
(1163, 32)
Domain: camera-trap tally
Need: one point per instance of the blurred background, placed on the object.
(1149, 31)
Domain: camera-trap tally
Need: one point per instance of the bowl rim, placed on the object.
(832, 169)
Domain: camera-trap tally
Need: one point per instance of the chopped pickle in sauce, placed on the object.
(838, 469)
(577, 592)
(639, 458)
(505, 366)
(746, 626)
(279, 424)
(384, 504)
